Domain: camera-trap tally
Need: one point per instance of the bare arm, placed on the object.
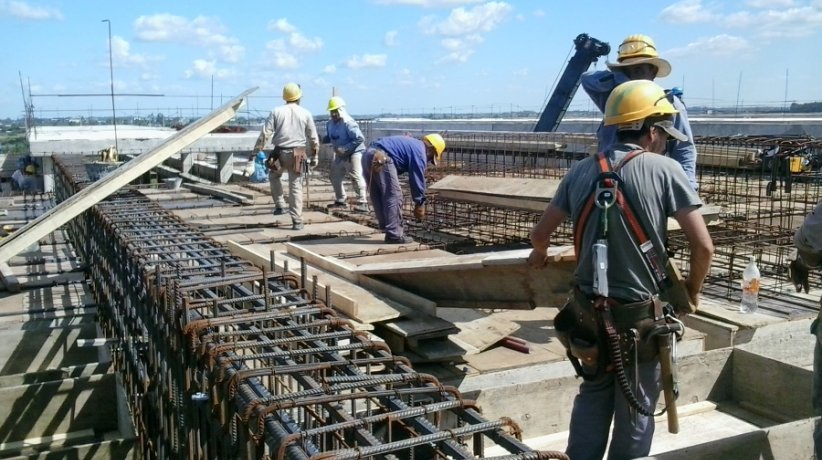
(552, 217)
(702, 248)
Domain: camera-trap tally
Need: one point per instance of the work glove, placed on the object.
(249, 168)
(313, 161)
(419, 212)
(340, 151)
(799, 274)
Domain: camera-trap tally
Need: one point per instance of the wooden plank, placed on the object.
(462, 261)
(218, 192)
(346, 270)
(478, 331)
(122, 176)
(352, 300)
(421, 326)
(351, 247)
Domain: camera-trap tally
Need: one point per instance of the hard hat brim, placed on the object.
(668, 126)
(663, 67)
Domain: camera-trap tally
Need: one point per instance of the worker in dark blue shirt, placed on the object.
(382, 163)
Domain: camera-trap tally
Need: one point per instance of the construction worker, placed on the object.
(657, 186)
(348, 142)
(382, 162)
(638, 59)
(808, 242)
(294, 139)
(24, 181)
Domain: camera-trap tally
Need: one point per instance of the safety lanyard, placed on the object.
(607, 191)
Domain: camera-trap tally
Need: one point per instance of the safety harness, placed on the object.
(607, 192)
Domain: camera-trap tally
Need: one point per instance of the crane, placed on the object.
(588, 50)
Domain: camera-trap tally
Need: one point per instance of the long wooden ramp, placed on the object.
(88, 197)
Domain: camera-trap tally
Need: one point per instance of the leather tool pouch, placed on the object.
(580, 330)
(299, 159)
(273, 161)
(379, 161)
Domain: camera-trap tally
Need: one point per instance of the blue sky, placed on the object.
(390, 55)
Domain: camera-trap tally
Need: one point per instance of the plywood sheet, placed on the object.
(477, 331)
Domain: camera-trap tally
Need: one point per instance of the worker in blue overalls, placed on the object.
(383, 161)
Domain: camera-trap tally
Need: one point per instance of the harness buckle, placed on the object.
(605, 194)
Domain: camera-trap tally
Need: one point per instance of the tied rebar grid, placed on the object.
(220, 359)
(748, 178)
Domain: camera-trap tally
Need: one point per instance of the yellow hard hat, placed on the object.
(640, 49)
(633, 101)
(438, 143)
(335, 103)
(31, 169)
(292, 92)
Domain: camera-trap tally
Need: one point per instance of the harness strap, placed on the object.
(604, 167)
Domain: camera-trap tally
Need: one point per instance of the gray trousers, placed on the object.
(350, 167)
(295, 187)
(601, 401)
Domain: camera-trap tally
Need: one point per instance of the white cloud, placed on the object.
(283, 60)
(276, 45)
(201, 31)
(791, 22)
(523, 72)
(520, 17)
(460, 55)
(719, 45)
(121, 52)
(481, 18)
(687, 12)
(539, 13)
(366, 60)
(22, 10)
(390, 38)
(149, 76)
(770, 3)
(232, 53)
(281, 25)
(331, 68)
(206, 69)
(301, 43)
(427, 3)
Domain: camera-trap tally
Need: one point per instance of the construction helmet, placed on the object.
(31, 169)
(335, 103)
(292, 92)
(438, 143)
(632, 102)
(640, 49)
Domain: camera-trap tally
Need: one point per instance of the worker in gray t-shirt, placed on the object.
(657, 188)
(808, 241)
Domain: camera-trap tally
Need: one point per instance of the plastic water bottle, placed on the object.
(750, 287)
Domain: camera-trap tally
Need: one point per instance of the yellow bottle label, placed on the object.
(751, 287)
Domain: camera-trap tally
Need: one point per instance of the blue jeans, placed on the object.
(599, 402)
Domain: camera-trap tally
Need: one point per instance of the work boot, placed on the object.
(297, 226)
(278, 211)
(337, 204)
(361, 208)
(401, 240)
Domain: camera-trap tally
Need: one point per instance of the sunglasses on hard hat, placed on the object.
(634, 47)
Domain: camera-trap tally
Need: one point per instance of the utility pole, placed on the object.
(111, 77)
(785, 108)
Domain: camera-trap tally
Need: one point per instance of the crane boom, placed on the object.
(588, 50)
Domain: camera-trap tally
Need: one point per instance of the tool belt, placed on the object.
(299, 156)
(379, 161)
(581, 331)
